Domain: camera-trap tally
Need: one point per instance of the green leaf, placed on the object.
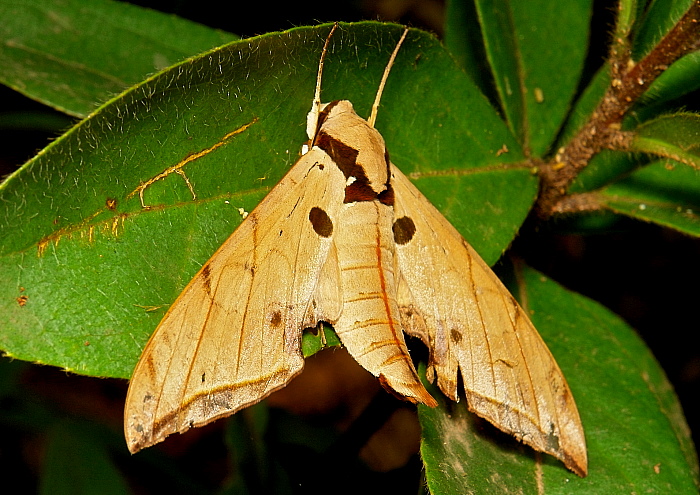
(637, 439)
(312, 342)
(86, 272)
(672, 136)
(525, 48)
(627, 14)
(682, 78)
(604, 168)
(665, 192)
(463, 39)
(586, 103)
(658, 20)
(72, 54)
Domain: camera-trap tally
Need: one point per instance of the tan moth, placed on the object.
(345, 238)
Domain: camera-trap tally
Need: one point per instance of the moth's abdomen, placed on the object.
(369, 324)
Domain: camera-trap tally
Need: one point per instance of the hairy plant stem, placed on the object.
(629, 81)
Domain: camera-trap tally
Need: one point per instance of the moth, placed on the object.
(345, 238)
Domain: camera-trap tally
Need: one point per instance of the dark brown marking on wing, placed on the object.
(386, 197)
(206, 278)
(345, 157)
(456, 336)
(404, 229)
(276, 318)
(321, 222)
(359, 191)
(150, 365)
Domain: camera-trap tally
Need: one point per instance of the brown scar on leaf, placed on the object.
(85, 228)
(22, 300)
(177, 168)
(149, 309)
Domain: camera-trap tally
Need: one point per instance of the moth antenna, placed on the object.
(375, 106)
(312, 117)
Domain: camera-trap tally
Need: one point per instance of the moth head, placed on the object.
(335, 108)
(319, 114)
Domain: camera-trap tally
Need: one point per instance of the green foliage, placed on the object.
(103, 228)
(50, 51)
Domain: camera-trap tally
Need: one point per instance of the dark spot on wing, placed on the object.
(404, 229)
(206, 278)
(505, 362)
(386, 197)
(204, 377)
(250, 269)
(456, 336)
(321, 222)
(276, 318)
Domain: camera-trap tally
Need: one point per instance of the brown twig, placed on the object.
(603, 129)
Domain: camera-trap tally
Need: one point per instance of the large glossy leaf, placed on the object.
(519, 39)
(638, 441)
(87, 271)
(464, 40)
(72, 54)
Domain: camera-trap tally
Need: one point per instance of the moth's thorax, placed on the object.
(358, 150)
